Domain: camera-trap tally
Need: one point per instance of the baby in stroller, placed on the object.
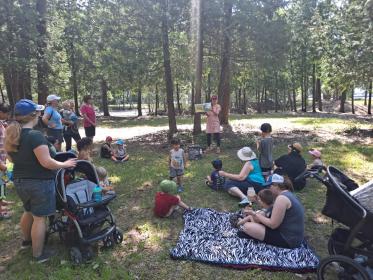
(82, 221)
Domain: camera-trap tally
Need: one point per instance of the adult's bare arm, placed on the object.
(42, 154)
(242, 175)
(282, 203)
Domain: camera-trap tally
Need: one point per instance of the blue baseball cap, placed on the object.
(25, 107)
(120, 142)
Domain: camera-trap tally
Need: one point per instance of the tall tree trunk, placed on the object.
(265, 100)
(139, 102)
(41, 59)
(2, 93)
(167, 70)
(365, 97)
(244, 101)
(313, 88)
(178, 99)
(156, 100)
(192, 100)
(318, 91)
(343, 100)
(370, 98)
(104, 89)
(198, 15)
(306, 91)
(294, 99)
(208, 93)
(353, 100)
(225, 77)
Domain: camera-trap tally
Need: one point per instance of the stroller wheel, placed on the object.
(337, 240)
(341, 267)
(108, 241)
(76, 255)
(118, 236)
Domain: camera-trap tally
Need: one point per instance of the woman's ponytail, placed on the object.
(12, 137)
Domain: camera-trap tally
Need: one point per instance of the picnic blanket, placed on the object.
(209, 237)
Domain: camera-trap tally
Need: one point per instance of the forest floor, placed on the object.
(144, 254)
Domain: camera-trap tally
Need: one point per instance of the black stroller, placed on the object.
(81, 221)
(351, 245)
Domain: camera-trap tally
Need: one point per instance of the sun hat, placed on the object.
(25, 106)
(168, 186)
(52, 97)
(315, 153)
(120, 142)
(246, 154)
(109, 139)
(274, 179)
(296, 146)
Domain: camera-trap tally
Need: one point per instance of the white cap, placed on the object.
(52, 97)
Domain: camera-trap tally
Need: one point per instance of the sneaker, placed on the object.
(180, 189)
(45, 256)
(26, 244)
(244, 202)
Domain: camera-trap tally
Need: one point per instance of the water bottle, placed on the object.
(97, 193)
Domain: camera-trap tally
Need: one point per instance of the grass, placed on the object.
(144, 254)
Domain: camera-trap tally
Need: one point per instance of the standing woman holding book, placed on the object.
(213, 124)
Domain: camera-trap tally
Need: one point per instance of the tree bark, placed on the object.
(192, 100)
(2, 93)
(353, 100)
(244, 101)
(41, 59)
(225, 77)
(313, 88)
(167, 70)
(104, 89)
(365, 97)
(370, 98)
(343, 100)
(178, 98)
(156, 100)
(294, 100)
(139, 102)
(318, 91)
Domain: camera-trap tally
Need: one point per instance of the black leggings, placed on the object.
(216, 138)
(67, 137)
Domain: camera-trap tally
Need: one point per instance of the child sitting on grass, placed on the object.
(265, 200)
(84, 147)
(106, 150)
(166, 201)
(104, 182)
(120, 154)
(316, 156)
(215, 181)
(177, 162)
(265, 147)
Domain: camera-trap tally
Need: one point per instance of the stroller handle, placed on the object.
(313, 172)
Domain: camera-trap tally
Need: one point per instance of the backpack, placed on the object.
(41, 126)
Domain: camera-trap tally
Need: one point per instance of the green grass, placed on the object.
(145, 255)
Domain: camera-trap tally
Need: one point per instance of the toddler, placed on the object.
(215, 181)
(316, 156)
(166, 201)
(53, 143)
(106, 150)
(84, 147)
(103, 182)
(265, 200)
(177, 162)
(265, 147)
(120, 154)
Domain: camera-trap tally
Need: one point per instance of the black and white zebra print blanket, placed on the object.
(209, 237)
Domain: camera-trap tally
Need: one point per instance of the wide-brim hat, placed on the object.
(315, 153)
(296, 146)
(246, 153)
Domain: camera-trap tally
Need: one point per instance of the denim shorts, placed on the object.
(176, 172)
(38, 195)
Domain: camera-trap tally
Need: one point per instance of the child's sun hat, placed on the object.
(120, 142)
(315, 153)
(168, 186)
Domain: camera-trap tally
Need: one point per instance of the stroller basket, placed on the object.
(341, 206)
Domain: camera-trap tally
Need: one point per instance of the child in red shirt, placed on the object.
(166, 201)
